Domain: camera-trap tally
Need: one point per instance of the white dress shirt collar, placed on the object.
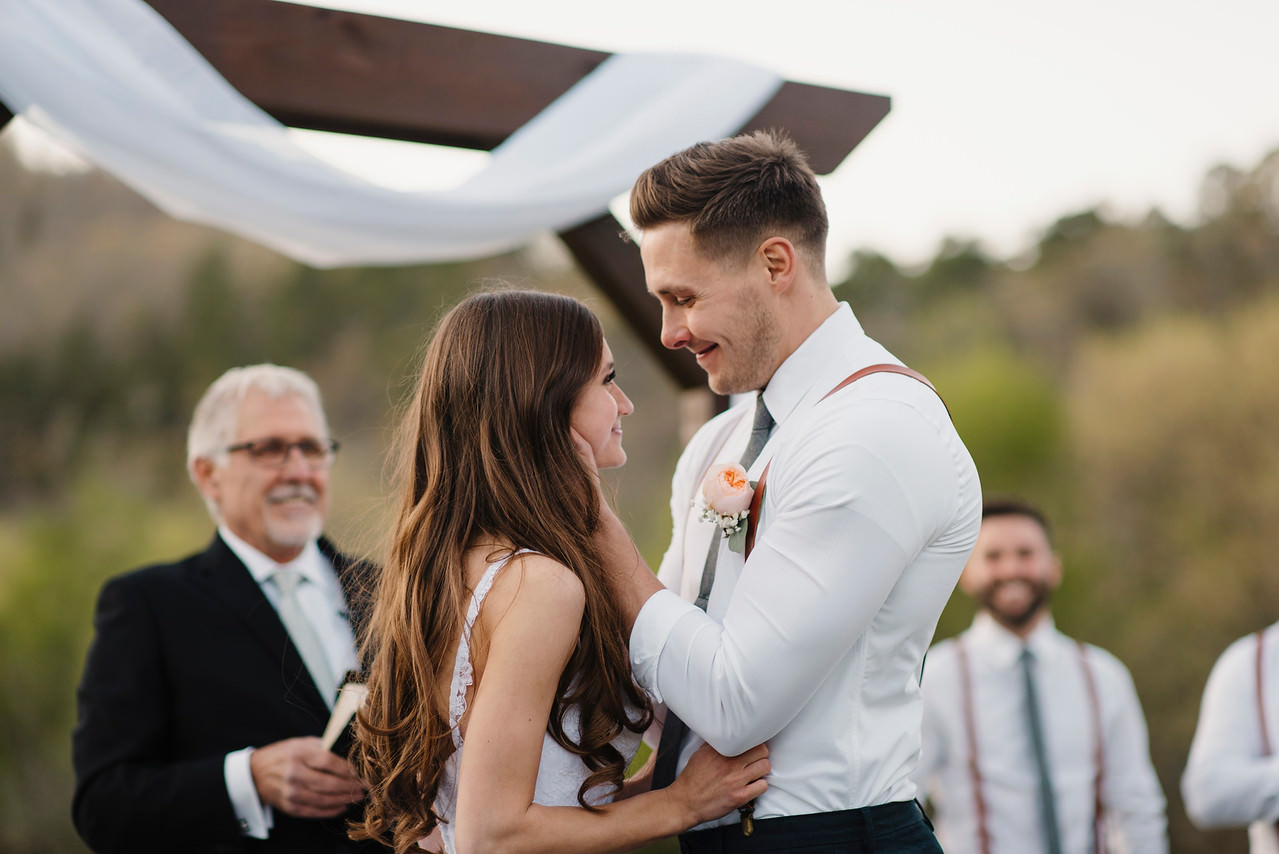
(798, 375)
(1002, 647)
(310, 564)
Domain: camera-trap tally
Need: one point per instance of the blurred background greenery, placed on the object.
(1121, 374)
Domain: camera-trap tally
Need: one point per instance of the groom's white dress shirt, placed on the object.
(814, 644)
(1231, 779)
(1134, 803)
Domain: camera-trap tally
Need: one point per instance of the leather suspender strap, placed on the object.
(970, 728)
(757, 499)
(1260, 680)
(1099, 752)
(974, 770)
(1261, 697)
(885, 368)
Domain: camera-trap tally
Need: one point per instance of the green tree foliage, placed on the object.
(1010, 416)
(1120, 374)
(51, 563)
(1177, 472)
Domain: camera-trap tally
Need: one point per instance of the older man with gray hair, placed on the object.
(210, 679)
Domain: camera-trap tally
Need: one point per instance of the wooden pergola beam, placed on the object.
(383, 77)
(373, 76)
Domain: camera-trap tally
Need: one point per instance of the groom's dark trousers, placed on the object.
(895, 828)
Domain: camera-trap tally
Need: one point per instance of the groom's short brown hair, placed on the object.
(734, 193)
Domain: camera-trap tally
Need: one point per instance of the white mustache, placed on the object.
(292, 492)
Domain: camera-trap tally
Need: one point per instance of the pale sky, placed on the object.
(1005, 115)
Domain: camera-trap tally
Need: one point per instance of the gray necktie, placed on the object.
(303, 634)
(761, 427)
(1047, 800)
(674, 730)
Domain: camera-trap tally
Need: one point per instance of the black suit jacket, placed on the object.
(190, 662)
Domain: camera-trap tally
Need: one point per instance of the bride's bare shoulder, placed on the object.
(535, 581)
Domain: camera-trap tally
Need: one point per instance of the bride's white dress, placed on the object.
(560, 774)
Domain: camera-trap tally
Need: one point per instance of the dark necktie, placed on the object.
(674, 730)
(1047, 801)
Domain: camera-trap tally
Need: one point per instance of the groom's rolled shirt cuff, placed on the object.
(654, 627)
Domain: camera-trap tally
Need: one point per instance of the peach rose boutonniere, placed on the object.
(726, 500)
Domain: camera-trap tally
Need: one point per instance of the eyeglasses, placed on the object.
(274, 452)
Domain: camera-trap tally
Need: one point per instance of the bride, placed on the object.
(502, 711)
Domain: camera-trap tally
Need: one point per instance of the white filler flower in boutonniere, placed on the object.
(726, 500)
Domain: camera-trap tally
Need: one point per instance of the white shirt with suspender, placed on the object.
(974, 749)
(977, 763)
(1232, 773)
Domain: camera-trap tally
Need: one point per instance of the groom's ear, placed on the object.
(779, 262)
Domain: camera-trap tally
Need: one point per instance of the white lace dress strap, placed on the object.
(560, 772)
(463, 673)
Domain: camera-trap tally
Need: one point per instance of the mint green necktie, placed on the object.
(303, 634)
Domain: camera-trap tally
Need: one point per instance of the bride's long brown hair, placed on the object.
(486, 453)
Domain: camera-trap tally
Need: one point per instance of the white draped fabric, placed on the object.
(116, 83)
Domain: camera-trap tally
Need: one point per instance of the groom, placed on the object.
(815, 641)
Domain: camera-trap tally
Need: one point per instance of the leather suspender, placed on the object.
(970, 728)
(1262, 726)
(1261, 697)
(1099, 752)
(757, 499)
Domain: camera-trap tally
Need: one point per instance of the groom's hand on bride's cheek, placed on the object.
(584, 450)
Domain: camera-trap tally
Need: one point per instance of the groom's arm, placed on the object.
(634, 581)
(847, 514)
